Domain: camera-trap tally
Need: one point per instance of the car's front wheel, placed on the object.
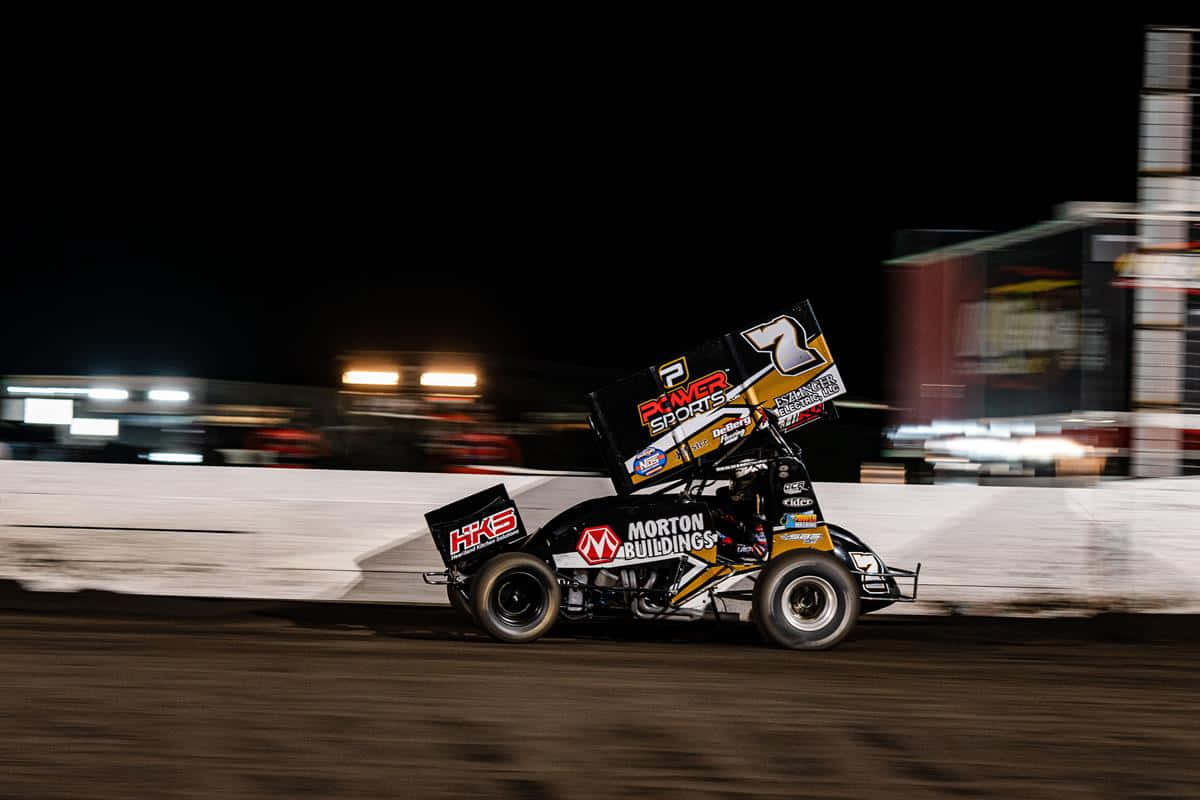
(515, 597)
(805, 601)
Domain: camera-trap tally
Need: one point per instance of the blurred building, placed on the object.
(1074, 345)
(465, 412)
(392, 411)
(131, 419)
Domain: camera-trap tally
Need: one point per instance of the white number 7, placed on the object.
(784, 338)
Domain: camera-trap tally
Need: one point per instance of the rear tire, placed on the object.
(805, 601)
(515, 597)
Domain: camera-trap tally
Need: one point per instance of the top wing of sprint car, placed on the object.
(718, 416)
(659, 421)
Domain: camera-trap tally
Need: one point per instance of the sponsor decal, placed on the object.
(789, 406)
(684, 402)
(806, 538)
(790, 521)
(795, 419)
(732, 431)
(673, 373)
(797, 502)
(749, 466)
(649, 461)
(645, 540)
(473, 535)
(795, 487)
(598, 544)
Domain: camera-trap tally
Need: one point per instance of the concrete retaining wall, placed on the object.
(332, 535)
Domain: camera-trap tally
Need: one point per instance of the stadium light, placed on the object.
(451, 379)
(89, 426)
(39, 411)
(367, 377)
(169, 395)
(176, 458)
(51, 390)
(94, 394)
(107, 394)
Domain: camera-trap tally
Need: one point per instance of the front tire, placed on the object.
(805, 601)
(515, 597)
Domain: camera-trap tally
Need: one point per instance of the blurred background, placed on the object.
(1008, 276)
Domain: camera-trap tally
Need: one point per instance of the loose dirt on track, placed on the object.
(395, 703)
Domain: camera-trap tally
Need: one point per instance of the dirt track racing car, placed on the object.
(718, 417)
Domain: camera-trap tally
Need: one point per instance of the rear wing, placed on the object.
(474, 523)
(655, 422)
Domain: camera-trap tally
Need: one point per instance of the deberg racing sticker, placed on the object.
(493, 528)
(789, 521)
(730, 432)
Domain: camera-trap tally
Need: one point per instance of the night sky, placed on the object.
(249, 212)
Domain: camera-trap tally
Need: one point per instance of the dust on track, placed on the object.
(387, 702)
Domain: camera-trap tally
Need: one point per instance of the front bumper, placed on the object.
(888, 583)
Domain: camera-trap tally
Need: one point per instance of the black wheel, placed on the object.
(459, 597)
(515, 597)
(805, 601)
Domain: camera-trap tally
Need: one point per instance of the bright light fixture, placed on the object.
(40, 411)
(1041, 449)
(89, 426)
(371, 377)
(108, 394)
(94, 394)
(176, 458)
(169, 395)
(45, 390)
(455, 379)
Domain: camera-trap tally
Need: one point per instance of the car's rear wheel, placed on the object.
(515, 597)
(805, 601)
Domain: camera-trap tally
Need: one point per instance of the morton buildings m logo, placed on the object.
(598, 545)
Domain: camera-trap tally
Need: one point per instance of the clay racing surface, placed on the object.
(332, 702)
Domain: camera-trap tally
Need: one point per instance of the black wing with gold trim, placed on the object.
(659, 420)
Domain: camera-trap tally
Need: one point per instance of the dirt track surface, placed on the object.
(409, 704)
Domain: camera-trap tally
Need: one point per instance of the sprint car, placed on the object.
(733, 518)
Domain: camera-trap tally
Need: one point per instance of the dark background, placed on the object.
(249, 201)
